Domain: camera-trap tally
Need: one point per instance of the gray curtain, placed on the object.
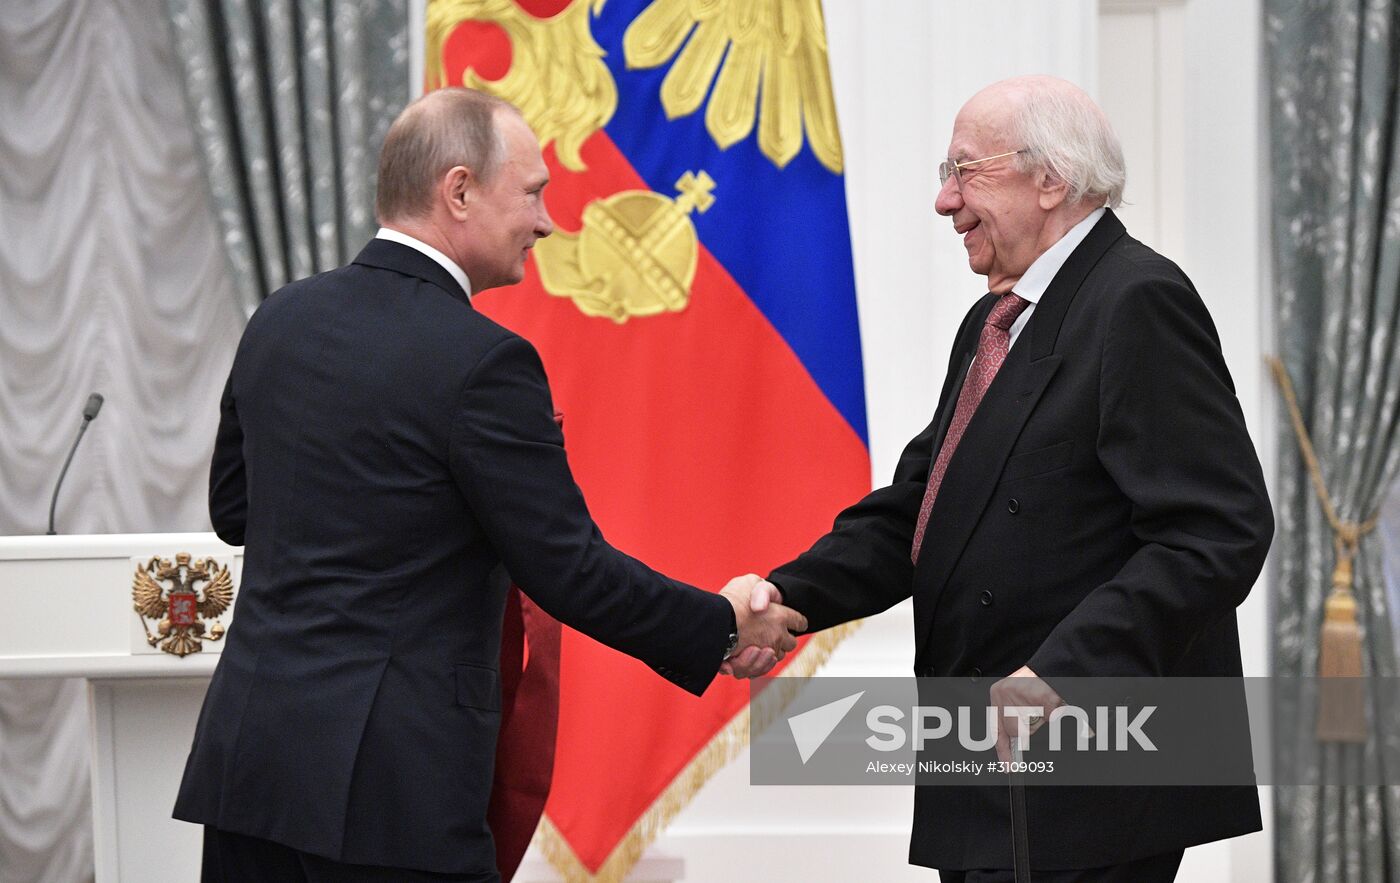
(115, 275)
(111, 279)
(1336, 238)
(290, 101)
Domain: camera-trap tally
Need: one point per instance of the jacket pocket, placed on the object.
(1038, 462)
(478, 687)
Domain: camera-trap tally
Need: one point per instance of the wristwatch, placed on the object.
(733, 645)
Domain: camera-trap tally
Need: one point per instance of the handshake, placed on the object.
(767, 629)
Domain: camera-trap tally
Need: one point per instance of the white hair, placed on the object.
(1060, 129)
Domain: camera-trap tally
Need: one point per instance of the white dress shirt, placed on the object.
(1043, 269)
(419, 245)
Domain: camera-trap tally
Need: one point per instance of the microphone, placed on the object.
(94, 404)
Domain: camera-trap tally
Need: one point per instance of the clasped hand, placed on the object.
(767, 629)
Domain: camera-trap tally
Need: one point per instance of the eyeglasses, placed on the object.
(953, 169)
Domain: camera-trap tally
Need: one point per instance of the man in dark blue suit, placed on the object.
(386, 454)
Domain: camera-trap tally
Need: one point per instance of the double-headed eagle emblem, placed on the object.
(751, 63)
(761, 61)
(177, 610)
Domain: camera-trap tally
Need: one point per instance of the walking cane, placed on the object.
(1020, 840)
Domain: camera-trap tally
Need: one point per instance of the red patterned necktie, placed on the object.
(992, 348)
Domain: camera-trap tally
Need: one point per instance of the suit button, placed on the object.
(986, 599)
(1013, 505)
(976, 673)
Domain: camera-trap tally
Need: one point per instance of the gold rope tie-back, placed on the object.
(1341, 710)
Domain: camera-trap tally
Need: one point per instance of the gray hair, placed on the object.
(1061, 130)
(443, 129)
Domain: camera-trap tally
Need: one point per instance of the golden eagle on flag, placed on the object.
(696, 314)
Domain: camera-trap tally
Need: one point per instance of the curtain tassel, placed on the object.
(1341, 708)
(1341, 698)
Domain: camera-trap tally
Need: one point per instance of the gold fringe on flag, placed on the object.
(721, 750)
(1341, 707)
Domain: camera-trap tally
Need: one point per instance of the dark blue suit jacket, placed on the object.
(386, 454)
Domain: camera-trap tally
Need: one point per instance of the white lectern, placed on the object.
(67, 611)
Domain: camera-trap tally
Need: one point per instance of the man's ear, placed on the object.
(1051, 189)
(457, 190)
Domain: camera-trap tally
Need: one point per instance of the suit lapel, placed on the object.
(981, 456)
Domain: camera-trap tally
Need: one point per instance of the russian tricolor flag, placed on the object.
(713, 392)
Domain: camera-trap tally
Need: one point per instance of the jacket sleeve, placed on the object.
(228, 475)
(1173, 438)
(507, 457)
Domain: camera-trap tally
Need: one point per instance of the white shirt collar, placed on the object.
(419, 245)
(1043, 269)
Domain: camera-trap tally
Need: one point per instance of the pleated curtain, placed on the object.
(290, 101)
(1333, 74)
(164, 164)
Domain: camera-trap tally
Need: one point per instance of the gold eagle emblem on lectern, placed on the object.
(177, 609)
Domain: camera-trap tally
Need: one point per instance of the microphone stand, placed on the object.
(53, 504)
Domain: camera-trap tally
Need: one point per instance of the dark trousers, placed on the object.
(234, 858)
(1154, 869)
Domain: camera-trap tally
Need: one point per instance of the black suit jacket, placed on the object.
(1103, 515)
(383, 450)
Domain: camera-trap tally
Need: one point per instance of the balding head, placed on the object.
(1029, 158)
(1059, 128)
(443, 129)
(463, 173)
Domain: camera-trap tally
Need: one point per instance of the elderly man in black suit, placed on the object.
(383, 450)
(1086, 501)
